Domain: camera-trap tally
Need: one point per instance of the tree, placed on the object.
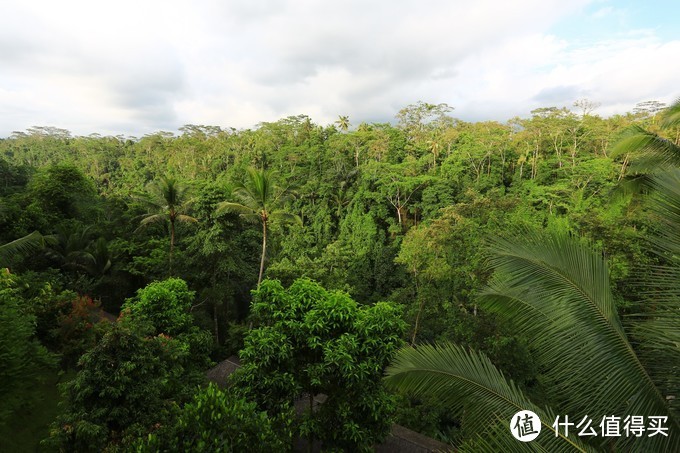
(556, 290)
(164, 308)
(132, 379)
(648, 108)
(121, 390)
(343, 122)
(167, 202)
(163, 305)
(310, 341)
(61, 191)
(260, 200)
(218, 421)
(586, 106)
(22, 356)
(401, 185)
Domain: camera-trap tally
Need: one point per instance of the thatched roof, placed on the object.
(220, 372)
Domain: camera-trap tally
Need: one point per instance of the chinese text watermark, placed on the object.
(525, 426)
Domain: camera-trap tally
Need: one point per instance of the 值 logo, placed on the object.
(525, 426)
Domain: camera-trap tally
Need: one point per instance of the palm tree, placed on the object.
(343, 122)
(434, 148)
(260, 201)
(557, 292)
(167, 201)
(70, 247)
(653, 151)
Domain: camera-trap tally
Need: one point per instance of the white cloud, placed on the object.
(135, 67)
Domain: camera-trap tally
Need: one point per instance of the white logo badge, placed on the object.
(525, 426)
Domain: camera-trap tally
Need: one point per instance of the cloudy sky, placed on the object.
(135, 67)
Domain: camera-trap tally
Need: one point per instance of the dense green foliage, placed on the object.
(21, 355)
(400, 212)
(310, 342)
(130, 380)
(556, 290)
(164, 306)
(218, 421)
(121, 390)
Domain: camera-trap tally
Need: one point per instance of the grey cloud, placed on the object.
(562, 95)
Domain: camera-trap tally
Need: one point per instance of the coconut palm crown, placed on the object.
(259, 200)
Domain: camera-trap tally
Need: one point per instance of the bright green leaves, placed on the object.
(218, 421)
(122, 388)
(151, 359)
(311, 341)
(165, 305)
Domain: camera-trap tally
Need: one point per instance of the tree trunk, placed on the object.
(310, 440)
(217, 330)
(421, 305)
(264, 250)
(172, 243)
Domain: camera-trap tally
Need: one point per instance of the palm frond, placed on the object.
(149, 201)
(186, 218)
(260, 185)
(285, 217)
(28, 244)
(245, 212)
(556, 290)
(665, 204)
(658, 338)
(657, 330)
(651, 151)
(671, 116)
(468, 380)
(153, 218)
(495, 439)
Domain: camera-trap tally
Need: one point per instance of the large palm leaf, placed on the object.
(70, 245)
(24, 245)
(557, 292)
(469, 382)
(651, 150)
(671, 117)
(664, 204)
(657, 330)
(247, 213)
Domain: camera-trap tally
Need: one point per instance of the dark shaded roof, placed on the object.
(220, 372)
(102, 315)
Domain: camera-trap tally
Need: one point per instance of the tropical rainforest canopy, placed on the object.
(486, 268)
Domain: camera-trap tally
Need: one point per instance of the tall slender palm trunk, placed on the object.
(264, 251)
(172, 245)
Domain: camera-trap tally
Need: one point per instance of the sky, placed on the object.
(136, 67)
